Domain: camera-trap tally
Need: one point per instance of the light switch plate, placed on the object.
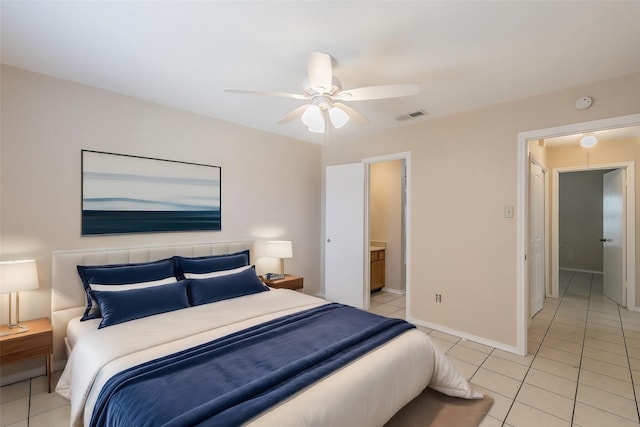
(508, 211)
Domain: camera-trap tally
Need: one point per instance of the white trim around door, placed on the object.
(522, 217)
(406, 156)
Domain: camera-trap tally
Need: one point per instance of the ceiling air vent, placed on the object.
(413, 115)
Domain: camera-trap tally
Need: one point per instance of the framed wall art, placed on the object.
(132, 194)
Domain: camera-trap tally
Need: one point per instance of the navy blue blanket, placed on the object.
(232, 379)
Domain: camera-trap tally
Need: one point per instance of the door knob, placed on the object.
(605, 240)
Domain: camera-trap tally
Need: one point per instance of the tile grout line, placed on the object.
(487, 355)
(626, 349)
(584, 339)
(29, 404)
(536, 355)
(628, 363)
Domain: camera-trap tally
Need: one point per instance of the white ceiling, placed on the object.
(465, 55)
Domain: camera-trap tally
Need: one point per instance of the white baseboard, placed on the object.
(465, 336)
(579, 270)
(22, 375)
(394, 291)
(31, 373)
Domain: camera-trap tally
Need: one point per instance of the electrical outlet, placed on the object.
(438, 298)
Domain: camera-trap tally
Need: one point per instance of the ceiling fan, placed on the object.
(327, 97)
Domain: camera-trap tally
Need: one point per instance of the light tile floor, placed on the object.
(583, 366)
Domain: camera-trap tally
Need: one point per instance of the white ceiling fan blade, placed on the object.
(354, 115)
(378, 92)
(319, 69)
(293, 115)
(268, 93)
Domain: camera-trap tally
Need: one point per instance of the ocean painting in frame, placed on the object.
(131, 194)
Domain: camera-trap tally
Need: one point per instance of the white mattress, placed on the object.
(76, 329)
(369, 391)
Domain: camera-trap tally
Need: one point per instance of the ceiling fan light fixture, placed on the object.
(338, 117)
(312, 118)
(588, 141)
(319, 129)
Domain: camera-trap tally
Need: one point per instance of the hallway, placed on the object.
(583, 363)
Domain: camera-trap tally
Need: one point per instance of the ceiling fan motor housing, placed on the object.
(313, 91)
(322, 101)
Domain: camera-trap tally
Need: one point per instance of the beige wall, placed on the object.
(47, 121)
(385, 216)
(463, 173)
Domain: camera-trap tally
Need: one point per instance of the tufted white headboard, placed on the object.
(68, 299)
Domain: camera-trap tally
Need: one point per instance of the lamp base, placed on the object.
(14, 328)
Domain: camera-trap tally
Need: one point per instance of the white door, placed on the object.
(344, 229)
(613, 235)
(537, 276)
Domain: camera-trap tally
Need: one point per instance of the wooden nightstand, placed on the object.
(289, 282)
(36, 342)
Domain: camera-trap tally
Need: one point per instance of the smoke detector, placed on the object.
(584, 102)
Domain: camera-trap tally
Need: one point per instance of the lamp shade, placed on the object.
(279, 249)
(18, 276)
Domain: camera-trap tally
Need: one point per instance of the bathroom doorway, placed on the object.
(387, 200)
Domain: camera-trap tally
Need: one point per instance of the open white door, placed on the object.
(613, 235)
(537, 276)
(344, 228)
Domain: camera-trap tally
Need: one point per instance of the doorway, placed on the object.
(522, 217)
(397, 254)
(386, 202)
(613, 257)
(347, 236)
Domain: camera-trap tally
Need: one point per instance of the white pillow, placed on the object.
(140, 285)
(216, 273)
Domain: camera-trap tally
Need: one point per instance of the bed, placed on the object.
(224, 328)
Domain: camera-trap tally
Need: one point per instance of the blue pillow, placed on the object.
(209, 264)
(204, 291)
(119, 307)
(121, 274)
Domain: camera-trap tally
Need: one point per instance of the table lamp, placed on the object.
(279, 249)
(16, 276)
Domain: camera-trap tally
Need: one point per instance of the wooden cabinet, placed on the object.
(36, 342)
(377, 272)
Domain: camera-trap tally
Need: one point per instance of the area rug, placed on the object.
(435, 409)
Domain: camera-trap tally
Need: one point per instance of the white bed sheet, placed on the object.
(76, 329)
(369, 391)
